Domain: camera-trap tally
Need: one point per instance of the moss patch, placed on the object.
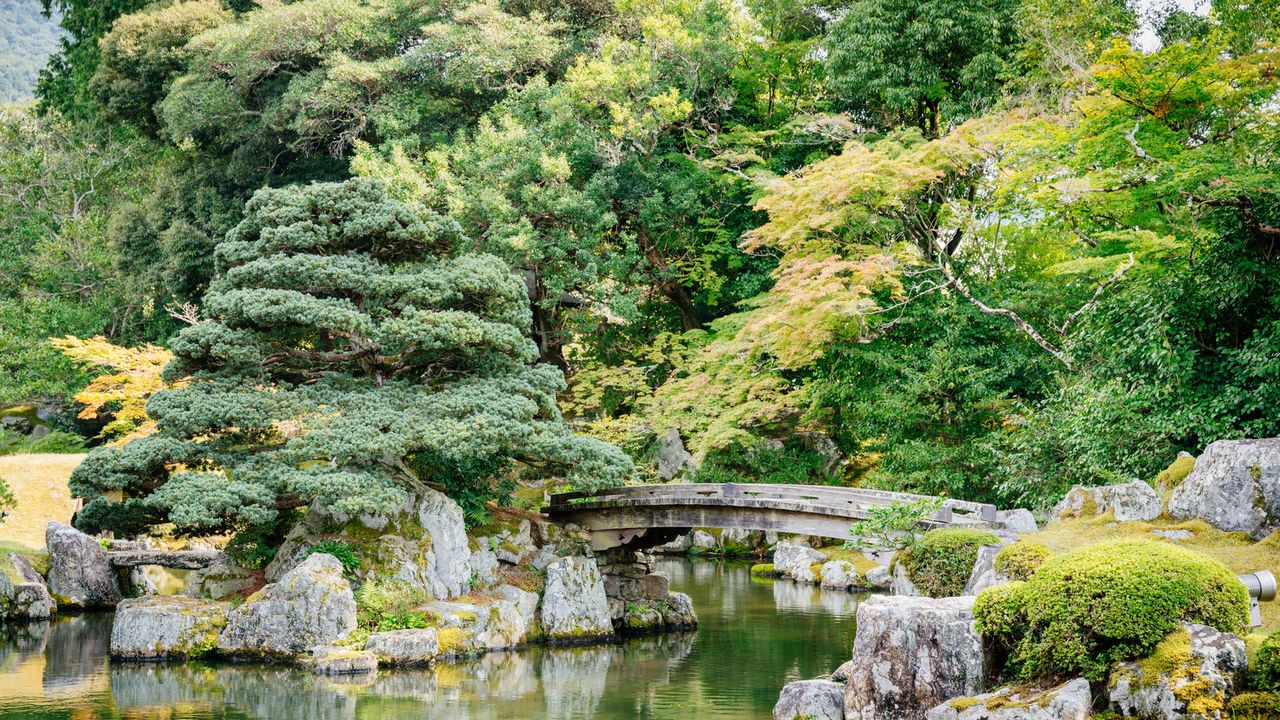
(1172, 476)
(1081, 612)
(940, 563)
(1019, 560)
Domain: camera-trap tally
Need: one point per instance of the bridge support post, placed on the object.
(640, 600)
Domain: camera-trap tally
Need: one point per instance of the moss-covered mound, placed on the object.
(1019, 560)
(1264, 667)
(1172, 476)
(940, 563)
(1254, 706)
(1081, 612)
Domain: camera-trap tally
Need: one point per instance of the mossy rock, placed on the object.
(763, 570)
(939, 563)
(1084, 611)
(1019, 560)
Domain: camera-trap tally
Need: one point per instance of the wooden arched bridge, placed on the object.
(644, 516)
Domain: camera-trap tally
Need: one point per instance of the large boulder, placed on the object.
(900, 583)
(404, 647)
(1190, 675)
(1131, 501)
(338, 660)
(311, 605)
(423, 544)
(672, 459)
(512, 619)
(984, 574)
(910, 655)
(840, 575)
(163, 627)
(1069, 701)
(810, 700)
(574, 605)
(1234, 486)
(796, 561)
(1019, 520)
(80, 575)
(26, 597)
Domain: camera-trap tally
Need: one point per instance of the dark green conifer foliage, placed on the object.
(350, 355)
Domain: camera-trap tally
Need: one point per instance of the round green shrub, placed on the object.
(1264, 670)
(1254, 706)
(1081, 612)
(1019, 560)
(939, 564)
(763, 570)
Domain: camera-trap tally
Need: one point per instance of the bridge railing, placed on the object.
(854, 499)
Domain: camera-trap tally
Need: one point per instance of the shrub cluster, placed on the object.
(940, 562)
(1081, 612)
(1264, 668)
(1019, 560)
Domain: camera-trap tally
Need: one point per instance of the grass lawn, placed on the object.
(39, 482)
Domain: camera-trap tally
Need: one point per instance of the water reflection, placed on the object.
(755, 635)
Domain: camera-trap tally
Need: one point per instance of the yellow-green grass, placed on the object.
(39, 483)
(1237, 551)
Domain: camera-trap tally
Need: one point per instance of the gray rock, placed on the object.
(1208, 672)
(1131, 501)
(1174, 535)
(1069, 701)
(841, 675)
(984, 574)
(574, 605)
(512, 619)
(677, 612)
(840, 575)
(702, 540)
(672, 459)
(338, 660)
(29, 599)
(810, 700)
(1234, 486)
(822, 444)
(165, 627)
(1019, 520)
(910, 655)
(738, 539)
(484, 567)
(220, 580)
(901, 584)
(404, 647)
(311, 605)
(879, 578)
(796, 561)
(424, 544)
(679, 546)
(511, 544)
(80, 575)
(545, 557)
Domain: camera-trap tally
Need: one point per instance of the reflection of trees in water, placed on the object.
(76, 650)
(21, 643)
(545, 684)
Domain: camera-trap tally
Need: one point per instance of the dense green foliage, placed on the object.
(990, 250)
(7, 500)
(349, 350)
(1264, 669)
(27, 38)
(1083, 611)
(940, 562)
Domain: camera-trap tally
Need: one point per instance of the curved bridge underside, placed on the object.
(644, 516)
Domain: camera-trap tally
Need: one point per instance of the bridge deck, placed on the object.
(625, 515)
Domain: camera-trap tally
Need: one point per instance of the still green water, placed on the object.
(755, 636)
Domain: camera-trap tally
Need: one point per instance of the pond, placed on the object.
(755, 636)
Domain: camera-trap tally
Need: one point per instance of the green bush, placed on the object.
(1019, 560)
(1254, 706)
(940, 562)
(1264, 671)
(56, 442)
(383, 605)
(1081, 612)
(341, 551)
(7, 500)
(789, 465)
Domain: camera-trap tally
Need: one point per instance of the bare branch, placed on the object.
(1023, 325)
(1115, 278)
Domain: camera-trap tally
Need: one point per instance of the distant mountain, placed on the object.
(27, 39)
